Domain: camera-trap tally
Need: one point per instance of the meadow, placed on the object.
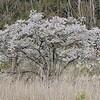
(66, 88)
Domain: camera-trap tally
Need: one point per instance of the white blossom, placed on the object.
(38, 38)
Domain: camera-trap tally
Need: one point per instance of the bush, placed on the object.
(81, 96)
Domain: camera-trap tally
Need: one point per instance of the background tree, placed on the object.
(11, 10)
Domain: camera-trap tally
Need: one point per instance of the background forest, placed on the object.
(11, 10)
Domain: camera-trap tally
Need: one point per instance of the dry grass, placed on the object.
(64, 89)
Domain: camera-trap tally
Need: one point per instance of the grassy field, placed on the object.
(67, 88)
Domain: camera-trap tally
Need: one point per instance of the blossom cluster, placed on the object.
(46, 41)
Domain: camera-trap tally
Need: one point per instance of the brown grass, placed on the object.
(64, 89)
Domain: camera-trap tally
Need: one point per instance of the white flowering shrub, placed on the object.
(49, 42)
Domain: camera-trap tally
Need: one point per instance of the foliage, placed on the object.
(5, 65)
(81, 96)
(50, 42)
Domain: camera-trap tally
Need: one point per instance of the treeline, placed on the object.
(11, 10)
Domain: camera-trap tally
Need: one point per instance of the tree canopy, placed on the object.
(51, 44)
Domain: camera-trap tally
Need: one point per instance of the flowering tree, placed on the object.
(49, 42)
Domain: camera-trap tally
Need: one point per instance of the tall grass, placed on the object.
(64, 89)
